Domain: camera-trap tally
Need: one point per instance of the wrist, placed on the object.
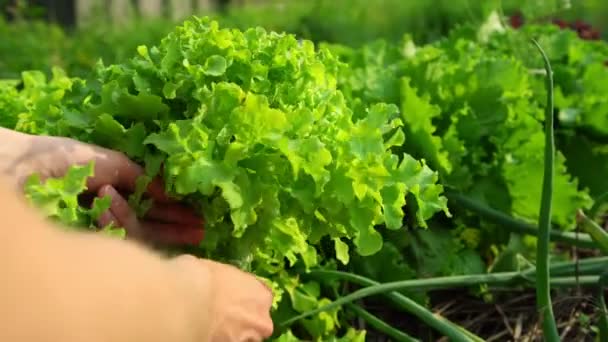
(193, 281)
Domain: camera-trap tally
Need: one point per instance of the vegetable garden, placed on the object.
(445, 182)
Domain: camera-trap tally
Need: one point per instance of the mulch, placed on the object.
(509, 316)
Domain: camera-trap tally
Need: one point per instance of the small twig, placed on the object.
(518, 327)
(496, 337)
(443, 310)
(504, 319)
(470, 323)
(569, 324)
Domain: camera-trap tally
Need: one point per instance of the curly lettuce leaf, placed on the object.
(58, 199)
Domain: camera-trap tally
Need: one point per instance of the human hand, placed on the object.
(237, 305)
(167, 222)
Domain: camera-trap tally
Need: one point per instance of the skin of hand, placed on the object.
(130, 293)
(65, 286)
(167, 222)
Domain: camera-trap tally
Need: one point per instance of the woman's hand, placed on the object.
(167, 222)
(238, 305)
(107, 290)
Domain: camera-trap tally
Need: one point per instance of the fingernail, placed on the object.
(106, 219)
(111, 191)
(107, 190)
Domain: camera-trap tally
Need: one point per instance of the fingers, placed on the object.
(172, 234)
(174, 213)
(242, 305)
(157, 192)
(56, 155)
(120, 212)
(260, 327)
(116, 169)
(250, 326)
(185, 230)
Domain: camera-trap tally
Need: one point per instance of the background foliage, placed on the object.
(430, 101)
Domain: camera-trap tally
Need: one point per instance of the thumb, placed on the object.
(116, 169)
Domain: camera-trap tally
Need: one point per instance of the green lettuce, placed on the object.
(250, 128)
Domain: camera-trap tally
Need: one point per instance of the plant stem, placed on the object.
(543, 285)
(573, 281)
(603, 320)
(438, 283)
(515, 225)
(599, 235)
(599, 202)
(428, 284)
(588, 266)
(381, 325)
